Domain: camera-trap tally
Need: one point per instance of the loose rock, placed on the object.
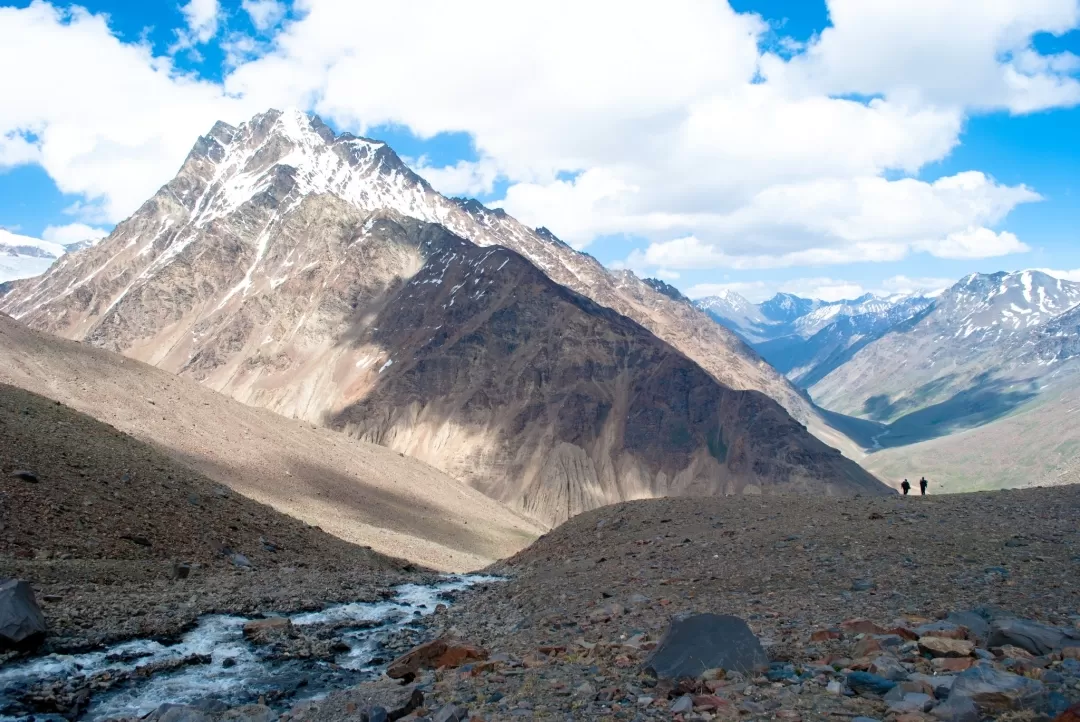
(700, 642)
(22, 625)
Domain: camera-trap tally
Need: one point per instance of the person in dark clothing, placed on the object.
(922, 485)
(906, 487)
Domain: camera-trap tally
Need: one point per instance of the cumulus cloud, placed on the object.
(823, 288)
(202, 22)
(264, 14)
(16, 149)
(465, 178)
(1073, 275)
(696, 127)
(73, 233)
(831, 221)
(938, 52)
(111, 127)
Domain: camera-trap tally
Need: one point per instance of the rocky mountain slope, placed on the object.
(299, 271)
(974, 352)
(275, 151)
(359, 492)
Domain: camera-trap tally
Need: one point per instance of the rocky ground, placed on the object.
(866, 608)
(587, 602)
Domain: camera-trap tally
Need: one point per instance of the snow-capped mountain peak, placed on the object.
(1000, 303)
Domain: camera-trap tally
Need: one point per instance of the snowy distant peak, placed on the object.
(725, 300)
(24, 257)
(988, 305)
(786, 307)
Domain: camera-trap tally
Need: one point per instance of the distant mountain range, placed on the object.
(806, 339)
(25, 257)
(900, 372)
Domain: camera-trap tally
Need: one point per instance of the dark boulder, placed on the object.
(22, 625)
(1039, 639)
(694, 644)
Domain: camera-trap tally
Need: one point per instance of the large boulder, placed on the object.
(994, 691)
(1036, 638)
(22, 625)
(694, 644)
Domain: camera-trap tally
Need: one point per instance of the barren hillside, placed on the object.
(357, 491)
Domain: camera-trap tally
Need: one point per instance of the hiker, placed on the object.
(906, 487)
(922, 485)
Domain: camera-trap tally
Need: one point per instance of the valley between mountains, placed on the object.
(245, 438)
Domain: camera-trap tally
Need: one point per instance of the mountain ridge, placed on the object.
(273, 268)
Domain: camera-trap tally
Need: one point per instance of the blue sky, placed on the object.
(819, 148)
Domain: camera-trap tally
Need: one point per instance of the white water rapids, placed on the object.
(248, 675)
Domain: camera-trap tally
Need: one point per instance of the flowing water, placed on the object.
(238, 672)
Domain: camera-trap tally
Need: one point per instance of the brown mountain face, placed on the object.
(314, 275)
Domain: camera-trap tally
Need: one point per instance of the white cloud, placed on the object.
(667, 275)
(824, 289)
(264, 14)
(1073, 275)
(867, 219)
(672, 122)
(110, 121)
(73, 233)
(939, 53)
(462, 179)
(16, 149)
(202, 22)
(974, 243)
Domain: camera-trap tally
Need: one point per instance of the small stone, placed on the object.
(866, 683)
(434, 655)
(27, 476)
(862, 626)
(824, 635)
(240, 560)
(450, 713)
(911, 702)
(835, 687)
(866, 647)
(957, 708)
(953, 664)
(1010, 651)
(682, 705)
(888, 667)
(945, 647)
(136, 539)
(261, 631)
(181, 570)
